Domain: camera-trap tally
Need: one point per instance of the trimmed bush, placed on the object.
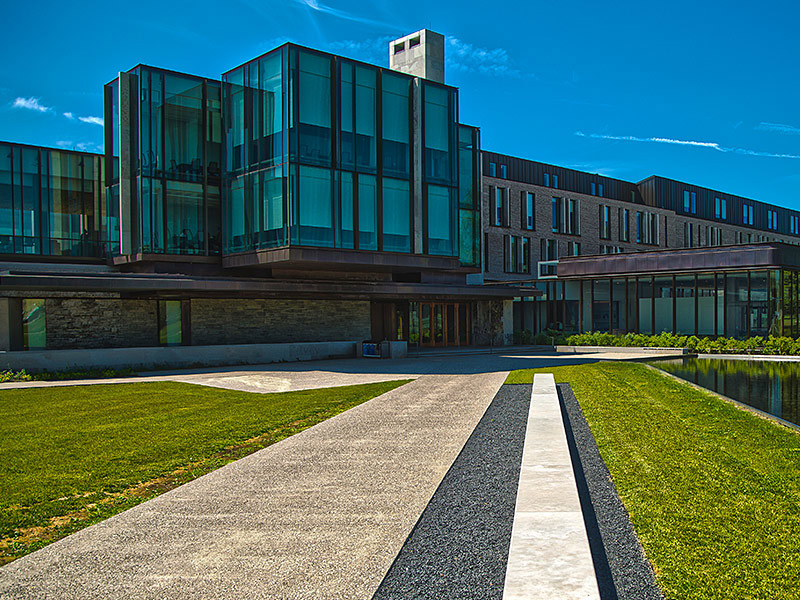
(705, 345)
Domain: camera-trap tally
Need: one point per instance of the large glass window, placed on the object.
(706, 304)
(345, 237)
(663, 294)
(618, 303)
(34, 327)
(315, 207)
(314, 109)
(395, 120)
(396, 216)
(759, 304)
(358, 118)
(184, 208)
(438, 121)
(169, 323)
(468, 201)
(367, 212)
(441, 230)
(601, 306)
(736, 305)
(645, 305)
(685, 304)
(183, 128)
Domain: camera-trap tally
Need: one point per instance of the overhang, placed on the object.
(721, 258)
(169, 285)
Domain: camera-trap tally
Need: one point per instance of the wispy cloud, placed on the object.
(82, 146)
(70, 116)
(464, 57)
(92, 120)
(659, 140)
(373, 50)
(318, 7)
(30, 104)
(779, 128)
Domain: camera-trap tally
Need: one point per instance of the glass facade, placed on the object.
(34, 328)
(317, 151)
(175, 161)
(735, 304)
(52, 202)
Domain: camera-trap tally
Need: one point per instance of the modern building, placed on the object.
(543, 225)
(302, 197)
(307, 197)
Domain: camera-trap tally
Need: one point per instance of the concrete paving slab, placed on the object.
(549, 556)
(319, 515)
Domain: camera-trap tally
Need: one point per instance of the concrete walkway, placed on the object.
(319, 515)
(549, 556)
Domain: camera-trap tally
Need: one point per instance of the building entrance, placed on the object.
(423, 323)
(444, 324)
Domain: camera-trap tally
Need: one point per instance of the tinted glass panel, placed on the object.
(396, 216)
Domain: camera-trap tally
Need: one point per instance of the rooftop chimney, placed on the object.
(420, 54)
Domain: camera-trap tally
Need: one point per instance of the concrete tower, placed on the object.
(420, 54)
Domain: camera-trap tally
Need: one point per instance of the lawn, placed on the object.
(713, 491)
(71, 456)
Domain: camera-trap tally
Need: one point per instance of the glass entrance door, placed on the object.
(444, 324)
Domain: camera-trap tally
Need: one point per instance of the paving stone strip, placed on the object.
(550, 556)
(319, 515)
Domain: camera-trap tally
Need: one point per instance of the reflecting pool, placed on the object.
(773, 387)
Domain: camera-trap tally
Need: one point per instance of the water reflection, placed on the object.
(773, 387)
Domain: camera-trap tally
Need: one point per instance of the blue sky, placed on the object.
(703, 92)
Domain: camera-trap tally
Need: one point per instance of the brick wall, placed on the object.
(100, 323)
(228, 321)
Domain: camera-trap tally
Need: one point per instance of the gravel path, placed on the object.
(459, 547)
(623, 571)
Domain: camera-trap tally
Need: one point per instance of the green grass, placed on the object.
(71, 456)
(713, 491)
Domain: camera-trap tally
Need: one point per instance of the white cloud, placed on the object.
(92, 120)
(30, 104)
(660, 140)
(779, 128)
(81, 146)
(69, 115)
(466, 58)
(372, 50)
(315, 6)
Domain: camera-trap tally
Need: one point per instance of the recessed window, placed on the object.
(398, 48)
(492, 169)
(34, 331)
(503, 171)
(169, 323)
(413, 42)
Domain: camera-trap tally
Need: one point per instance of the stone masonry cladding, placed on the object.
(276, 321)
(98, 323)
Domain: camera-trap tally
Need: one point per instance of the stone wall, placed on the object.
(488, 323)
(227, 321)
(100, 323)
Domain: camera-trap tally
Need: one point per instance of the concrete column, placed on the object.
(508, 321)
(416, 184)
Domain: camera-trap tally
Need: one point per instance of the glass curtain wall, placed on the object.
(51, 202)
(469, 222)
(176, 143)
(735, 304)
(440, 168)
(255, 154)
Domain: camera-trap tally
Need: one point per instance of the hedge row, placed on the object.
(753, 345)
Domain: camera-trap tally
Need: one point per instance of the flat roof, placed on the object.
(766, 255)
